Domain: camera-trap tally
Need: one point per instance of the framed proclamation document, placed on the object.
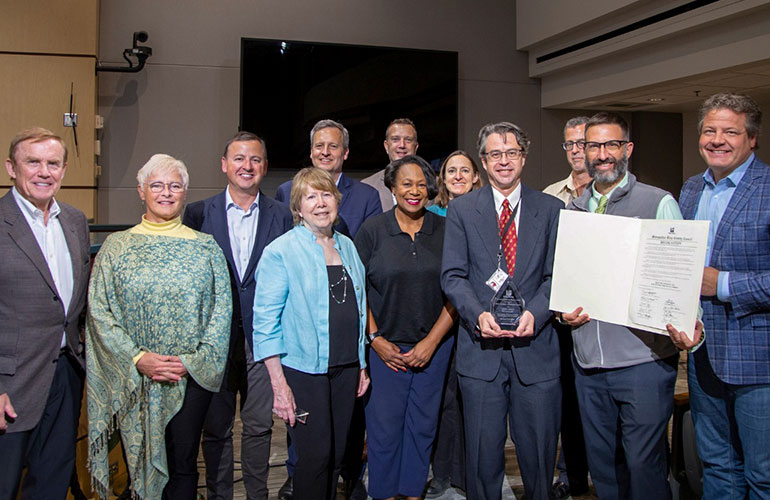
(639, 273)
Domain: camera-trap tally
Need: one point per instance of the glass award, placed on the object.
(507, 306)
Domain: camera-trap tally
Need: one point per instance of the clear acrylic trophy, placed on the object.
(507, 306)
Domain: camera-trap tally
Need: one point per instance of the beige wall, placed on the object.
(714, 37)
(185, 102)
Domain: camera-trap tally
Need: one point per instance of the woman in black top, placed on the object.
(408, 321)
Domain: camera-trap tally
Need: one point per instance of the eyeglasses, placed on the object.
(174, 187)
(567, 146)
(610, 146)
(511, 154)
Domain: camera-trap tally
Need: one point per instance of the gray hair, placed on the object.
(162, 163)
(740, 104)
(322, 124)
(502, 128)
(573, 122)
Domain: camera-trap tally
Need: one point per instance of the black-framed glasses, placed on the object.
(158, 187)
(609, 146)
(511, 154)
(567, 146)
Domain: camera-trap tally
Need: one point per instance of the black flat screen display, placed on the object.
(287, 86)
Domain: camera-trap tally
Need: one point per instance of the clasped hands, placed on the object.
(488, 327)
(161, 368)
(416, 357)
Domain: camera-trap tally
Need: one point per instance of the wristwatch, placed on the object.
(373, 335)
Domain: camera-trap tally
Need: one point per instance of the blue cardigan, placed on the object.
(291, 303)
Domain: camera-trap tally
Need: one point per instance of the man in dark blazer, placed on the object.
(329, 142)
(729, 376)
(243, 221)
(45, 247)
(505, 374)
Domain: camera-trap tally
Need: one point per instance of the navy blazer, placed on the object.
(471, 243)
(359, 202)
(209, 216)
(738, 332)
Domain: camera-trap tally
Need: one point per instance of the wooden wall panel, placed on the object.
(35, 91)
(50, 27)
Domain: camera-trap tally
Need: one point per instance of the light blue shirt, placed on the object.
(291, 301)
(53, 245)
(668, 208)
(711, 207)
(242, 229)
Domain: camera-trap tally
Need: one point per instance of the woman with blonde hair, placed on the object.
(309, 319)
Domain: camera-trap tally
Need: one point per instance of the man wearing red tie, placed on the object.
(506, 373)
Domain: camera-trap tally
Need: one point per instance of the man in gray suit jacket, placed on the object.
(45, 251)
(506, 227)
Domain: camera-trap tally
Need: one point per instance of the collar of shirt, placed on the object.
(229, 203)
(569, 184)
(735, 176)
(513, 199)
(428, 223)
(31, 212)
(593, 202)
(714, 199)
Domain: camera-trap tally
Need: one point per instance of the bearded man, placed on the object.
(624, 377)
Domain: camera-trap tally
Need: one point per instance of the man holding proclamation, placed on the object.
(624, 377)
(729, 377)
(508, 365)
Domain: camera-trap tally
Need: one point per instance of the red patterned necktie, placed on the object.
(509, 239)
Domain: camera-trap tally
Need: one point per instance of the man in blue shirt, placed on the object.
(243, 221)
(729, 378)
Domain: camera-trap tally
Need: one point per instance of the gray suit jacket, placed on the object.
(471, 242)
(31, 313)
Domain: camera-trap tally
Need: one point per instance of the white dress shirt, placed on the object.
(513, 199)
(50, 239)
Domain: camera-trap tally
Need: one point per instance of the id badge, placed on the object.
(497, 279)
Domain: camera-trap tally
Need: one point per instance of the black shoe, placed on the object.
(286, 492)
(437, 487)
(354, 489)
(560, 490)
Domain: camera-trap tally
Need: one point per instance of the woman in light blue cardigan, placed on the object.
(309, 320)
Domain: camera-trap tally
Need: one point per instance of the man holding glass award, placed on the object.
(496, 271)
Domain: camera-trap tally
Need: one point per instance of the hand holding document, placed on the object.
(639, 273)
